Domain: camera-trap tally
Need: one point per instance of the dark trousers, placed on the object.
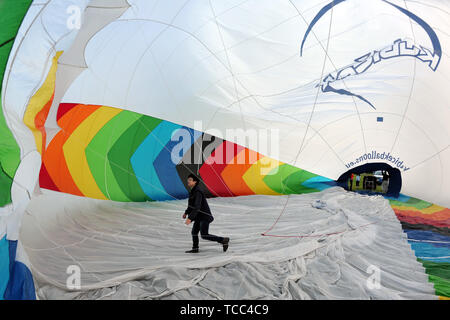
(202, 226)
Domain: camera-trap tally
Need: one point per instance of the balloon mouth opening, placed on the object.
(372, 178)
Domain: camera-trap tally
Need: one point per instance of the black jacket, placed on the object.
(198, 208)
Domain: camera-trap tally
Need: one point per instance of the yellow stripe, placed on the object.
(39, 100)
(255, 174)
(74, 151)
(429, 210)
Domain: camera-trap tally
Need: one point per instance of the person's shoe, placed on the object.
(195, 250)
(225, 244)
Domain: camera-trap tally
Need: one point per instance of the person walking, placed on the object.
(198, 211)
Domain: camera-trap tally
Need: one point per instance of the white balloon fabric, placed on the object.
(352, 247)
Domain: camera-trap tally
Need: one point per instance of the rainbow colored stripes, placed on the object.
(109, 153)
(418, 212)
(427, 227)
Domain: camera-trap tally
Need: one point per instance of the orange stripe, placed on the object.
(234, 172)
(438, 216)
(54, 156)
(39, 121)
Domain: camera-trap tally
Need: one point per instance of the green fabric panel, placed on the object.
(440, 269)
(97, 151)
(9, 149)
(275, 180)
(439, 275)
(120, 155)
(4, 54)
(441, 286)
(5, 187)
(295, 180)
(12, 13)
(412, 202)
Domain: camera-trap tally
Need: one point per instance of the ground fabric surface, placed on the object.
(332, 244)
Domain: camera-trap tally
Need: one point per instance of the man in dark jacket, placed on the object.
(199, 212)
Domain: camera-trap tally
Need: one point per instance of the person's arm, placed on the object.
(187, 211)
(197, 205)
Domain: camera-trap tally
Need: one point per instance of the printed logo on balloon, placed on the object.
(399, 48)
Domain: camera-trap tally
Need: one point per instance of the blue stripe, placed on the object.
(4, 266)
(401, 198)
(166, 168)
(16, 280)
(21, 285)
(319, 182)
(427, 235)
(429, 252)
(144, 156)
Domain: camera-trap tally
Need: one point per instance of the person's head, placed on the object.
(192, 180)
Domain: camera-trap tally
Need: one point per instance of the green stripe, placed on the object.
(5, 186)
(275, 179)
(439, 275)
(97, 151)
(7, 42)
(412, 202)
(295, 180)
(120, 156)
(289, 180)
(12, 13)
(9, 149)
(441, 286)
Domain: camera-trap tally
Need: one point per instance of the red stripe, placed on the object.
(420, 220)
(63, 109)
(210, 171)
(45, 181)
